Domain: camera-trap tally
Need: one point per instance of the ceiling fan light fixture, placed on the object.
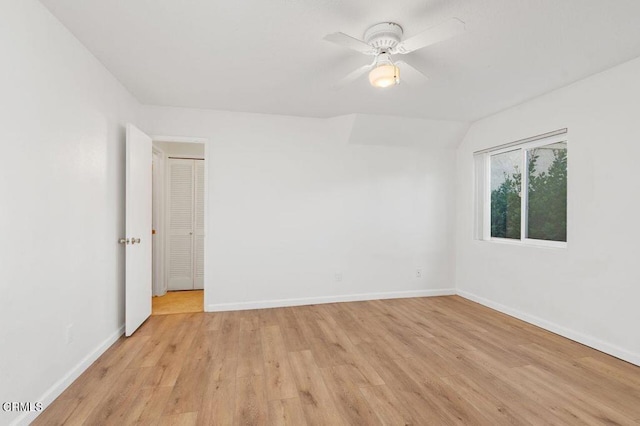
(385, 39)
(384, 75)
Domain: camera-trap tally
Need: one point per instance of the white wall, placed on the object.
(590, 290)
(62, 119)
(295, 201)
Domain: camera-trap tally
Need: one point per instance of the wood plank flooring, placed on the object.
(178, 302)
(421, 361)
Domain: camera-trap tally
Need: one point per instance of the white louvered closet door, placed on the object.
(180, 262)
(185, 246)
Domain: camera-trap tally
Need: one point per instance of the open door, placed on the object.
(138, 259)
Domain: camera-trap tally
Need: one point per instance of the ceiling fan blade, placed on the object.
(433, 35)
(353, 76)
(349, 42)
(410, 74)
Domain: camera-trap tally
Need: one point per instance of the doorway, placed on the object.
(178, 235)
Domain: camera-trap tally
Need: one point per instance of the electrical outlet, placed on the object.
(419, 273)
(69, 334)
(337, 277)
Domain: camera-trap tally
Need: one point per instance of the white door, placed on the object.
(138, 229)
(185, 247)
(180, 224)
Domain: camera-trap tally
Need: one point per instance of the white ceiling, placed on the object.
(268, 56)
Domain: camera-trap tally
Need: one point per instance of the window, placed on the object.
(521, 191)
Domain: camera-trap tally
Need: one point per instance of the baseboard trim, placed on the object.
(555, 328)
(279, 303)
(54, 391)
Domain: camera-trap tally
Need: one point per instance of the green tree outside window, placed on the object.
(546, 197)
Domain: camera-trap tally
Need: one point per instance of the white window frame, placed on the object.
(486, 220)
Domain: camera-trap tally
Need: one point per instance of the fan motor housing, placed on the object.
(383, 36)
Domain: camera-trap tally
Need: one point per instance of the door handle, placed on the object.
(135, 241)
(123, 241)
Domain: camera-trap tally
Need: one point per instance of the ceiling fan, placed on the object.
(384, 40)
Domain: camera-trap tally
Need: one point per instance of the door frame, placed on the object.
(205, 142)
(158, 210)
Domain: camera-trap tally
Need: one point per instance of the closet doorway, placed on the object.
(179, 204)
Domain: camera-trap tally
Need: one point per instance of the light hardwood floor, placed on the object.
(422, 361)
(178, 302)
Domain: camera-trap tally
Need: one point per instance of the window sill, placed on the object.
(528, 243)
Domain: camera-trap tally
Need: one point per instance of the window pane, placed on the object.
(547, 192)
(505, 194)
